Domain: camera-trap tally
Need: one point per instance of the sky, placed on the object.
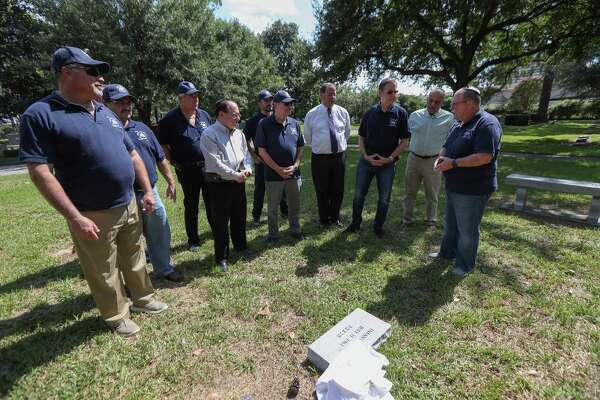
(258, 14)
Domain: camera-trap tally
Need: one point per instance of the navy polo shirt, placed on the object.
(147, 146)
(251, 125)
(382, 130)
(482, 134)
(90, 153)
(282, 142)
(183, 139)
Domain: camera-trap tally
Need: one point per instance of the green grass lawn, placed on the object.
(524, 325)
(556, 138)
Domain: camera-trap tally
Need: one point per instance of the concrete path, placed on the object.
(12, 169)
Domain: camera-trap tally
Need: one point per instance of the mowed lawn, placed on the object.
(524, 325)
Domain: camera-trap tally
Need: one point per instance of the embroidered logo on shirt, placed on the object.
(293, 131)
(203, 124)
(393, 122)
(141, 135)
(114, 122)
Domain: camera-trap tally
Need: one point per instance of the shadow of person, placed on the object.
(411, 298)
(41, 278)
(46, 338)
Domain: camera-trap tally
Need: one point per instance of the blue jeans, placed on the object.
(158, 236)
(364, 175)
(461, 228)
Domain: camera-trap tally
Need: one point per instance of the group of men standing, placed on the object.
(97, 167)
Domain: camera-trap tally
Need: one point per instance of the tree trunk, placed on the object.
(144, 112)
(542, 113)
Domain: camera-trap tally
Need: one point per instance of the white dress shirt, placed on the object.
(316, 128)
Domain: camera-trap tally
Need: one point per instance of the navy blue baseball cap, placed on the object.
(186, 87)
(72, 55)
(264, 95)
(283, 97)
(114, 92)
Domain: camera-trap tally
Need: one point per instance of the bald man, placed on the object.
(429, 128)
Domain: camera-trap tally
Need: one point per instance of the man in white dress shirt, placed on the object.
(327, 128)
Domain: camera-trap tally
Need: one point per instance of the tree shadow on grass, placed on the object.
(411, 298)
(41, 278)
(48, 339)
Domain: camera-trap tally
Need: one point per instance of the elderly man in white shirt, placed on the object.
(225, 171)
(327, 128)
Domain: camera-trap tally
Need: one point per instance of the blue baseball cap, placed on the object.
(73, 55)
(264, 95)
(283, 97)
(114, 92)
(186, 87)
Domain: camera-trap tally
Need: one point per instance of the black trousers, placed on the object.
(192, 182)
(228, 213)
(259, 193)
(328, 172)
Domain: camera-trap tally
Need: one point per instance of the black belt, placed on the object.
(327, 154)
(179, 165)
(211, 177)
(423, 157)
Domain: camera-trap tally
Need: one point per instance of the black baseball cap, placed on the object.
(114, 92)
(73, 55)
(283, 97)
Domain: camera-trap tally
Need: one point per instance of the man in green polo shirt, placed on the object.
(429, 129)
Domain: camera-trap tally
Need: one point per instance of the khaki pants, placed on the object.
(421, 170)
(118, 249)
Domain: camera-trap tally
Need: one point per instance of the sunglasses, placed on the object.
(91, 71)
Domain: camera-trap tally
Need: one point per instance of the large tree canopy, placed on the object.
(448, 41)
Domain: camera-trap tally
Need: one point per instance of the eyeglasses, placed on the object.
(457, 102)
(391, 92)
(91, 71)
(290, 104)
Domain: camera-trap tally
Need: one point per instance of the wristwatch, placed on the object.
(454, 163)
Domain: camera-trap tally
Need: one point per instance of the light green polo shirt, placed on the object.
(428, 132)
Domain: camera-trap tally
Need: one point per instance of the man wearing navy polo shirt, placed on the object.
(179, 133)
(265, 109)
(156, 224)
(280, 144)
(84, 164)
(383, 135)
(468, 161)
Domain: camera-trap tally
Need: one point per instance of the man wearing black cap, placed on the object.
(179, 133)
(84, 164)
(280, 144)
(156, 224)
(265, 106)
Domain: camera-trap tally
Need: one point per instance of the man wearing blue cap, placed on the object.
(265, 106)
(280, 144)
(84, 164)
(156, 224)
(179, 133)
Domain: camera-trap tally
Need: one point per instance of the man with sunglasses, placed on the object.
(81, 160)
(280, 144)
(468, 161)
(179, 133)
(225, 173)
(383, 136)
(265, 107)
(156, 224)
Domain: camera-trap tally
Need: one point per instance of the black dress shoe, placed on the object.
(352, 228)
(174, 277)
(297, 235)
(222, 265)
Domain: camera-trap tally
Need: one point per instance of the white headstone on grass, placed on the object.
(358, 325)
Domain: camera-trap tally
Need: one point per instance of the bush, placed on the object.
(517, 119)
(592, 110)
(566, 110)
(11, 153)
